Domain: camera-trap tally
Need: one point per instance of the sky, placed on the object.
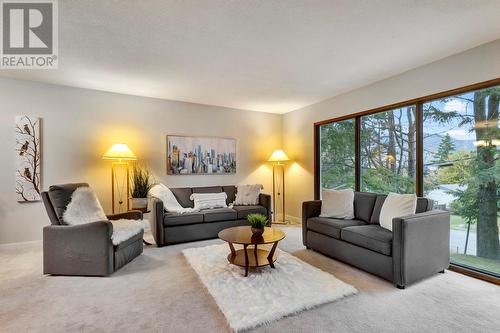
(453, 128)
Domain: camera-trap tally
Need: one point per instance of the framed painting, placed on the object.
(188, 155)
(28, 158)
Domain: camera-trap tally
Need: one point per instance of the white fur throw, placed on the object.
(170, 203)
(125, 229)
(209, 200)
(84, 207)
(247, 195)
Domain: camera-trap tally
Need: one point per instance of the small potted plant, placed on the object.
(258, 223)
(141, 184)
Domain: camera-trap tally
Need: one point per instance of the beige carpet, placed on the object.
(159, 292)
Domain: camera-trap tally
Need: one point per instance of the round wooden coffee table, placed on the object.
(251, 257)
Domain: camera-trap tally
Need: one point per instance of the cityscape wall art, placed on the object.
(188, 155)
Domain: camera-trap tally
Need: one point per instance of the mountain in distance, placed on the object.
(432, 142)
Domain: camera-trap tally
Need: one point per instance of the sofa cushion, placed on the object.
(363, 205)
(396, 205)
(209, 200)
(371, 237)
(175, 219)
(338, 204)
(231, 193)
(243, 211)
(170, 202)
(126, 252)
(207, 189)
(54, 220)
(219, 214)
(330, 226)
(248, 195)
(379, 202)
(60, 196)
(182, 195)
(423, 205)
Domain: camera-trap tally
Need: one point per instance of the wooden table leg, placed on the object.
(246, 259)
(233, 251)
(256, 256)
(271, 254)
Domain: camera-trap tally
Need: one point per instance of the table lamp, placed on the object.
(278, 158)
(120, 153)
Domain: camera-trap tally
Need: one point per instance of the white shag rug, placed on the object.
(267, 294)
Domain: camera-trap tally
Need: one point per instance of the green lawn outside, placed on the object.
(489, 265)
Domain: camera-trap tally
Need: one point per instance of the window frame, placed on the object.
(418, 102)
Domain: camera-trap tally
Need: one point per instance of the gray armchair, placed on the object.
(84, 249)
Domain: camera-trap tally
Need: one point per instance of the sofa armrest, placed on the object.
(130, 215)
(265, 201)
(309, 209)
(156, 223)
(84, 249)
(420, 246)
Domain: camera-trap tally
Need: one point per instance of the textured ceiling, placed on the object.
(270, 56)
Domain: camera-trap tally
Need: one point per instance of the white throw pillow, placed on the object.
(397, 205)
(84, 207)
(209, 200)
(337, 203)
(247, 195)
(170, 203)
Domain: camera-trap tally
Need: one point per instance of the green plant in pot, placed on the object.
(142, 182)
(258, 223)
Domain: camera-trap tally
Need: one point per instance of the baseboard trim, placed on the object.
(10, 245)
(293, 219)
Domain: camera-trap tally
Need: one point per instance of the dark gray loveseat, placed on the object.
(418, 246)
(84, 249)
(171, 228)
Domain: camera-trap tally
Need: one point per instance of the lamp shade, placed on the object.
(119, 151)
(278, 156)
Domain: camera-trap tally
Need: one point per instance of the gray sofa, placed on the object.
(172, 228)
(418, 246)
(84, 249)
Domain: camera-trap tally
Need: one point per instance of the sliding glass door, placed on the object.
(445, 147)
(461, 173)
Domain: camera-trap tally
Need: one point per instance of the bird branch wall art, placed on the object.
(28, 158)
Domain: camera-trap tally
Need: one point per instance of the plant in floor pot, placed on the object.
(258, 223)
(141, 184)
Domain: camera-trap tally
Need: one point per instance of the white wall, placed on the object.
(472, 66)
(78, 125)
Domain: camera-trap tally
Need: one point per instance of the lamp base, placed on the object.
(120, 187)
